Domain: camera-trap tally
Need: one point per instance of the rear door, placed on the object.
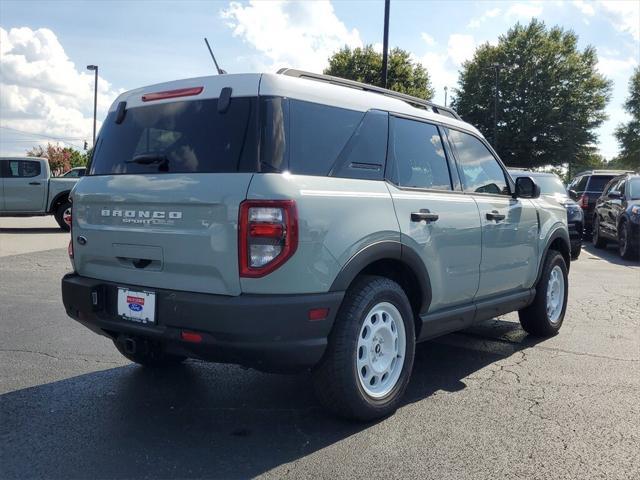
(436, 219)
(24, 186)
(509, 226)
(159, 206)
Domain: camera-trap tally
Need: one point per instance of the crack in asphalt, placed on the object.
(73, 356)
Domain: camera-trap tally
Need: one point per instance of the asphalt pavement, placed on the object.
(488, 402)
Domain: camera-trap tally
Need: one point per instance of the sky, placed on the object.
(46, 93)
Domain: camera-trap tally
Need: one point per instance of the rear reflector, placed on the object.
(318, 313)
(191, 337)
(180, 92)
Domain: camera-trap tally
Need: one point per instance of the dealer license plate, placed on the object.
(137, 306)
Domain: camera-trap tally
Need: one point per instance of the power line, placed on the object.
(62, 139)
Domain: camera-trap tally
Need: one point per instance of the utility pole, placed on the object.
(385, 44)
(445, 95)
(94, 68)
(496, 66)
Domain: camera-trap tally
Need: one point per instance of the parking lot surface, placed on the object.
(488, 402)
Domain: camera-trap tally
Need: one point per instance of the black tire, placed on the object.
(336, 379)
(534, 318)
(598, 240)
(575, 252)
(59, 215)
(627, 249)
(146, 353)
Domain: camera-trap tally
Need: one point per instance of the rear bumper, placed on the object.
(267, 332)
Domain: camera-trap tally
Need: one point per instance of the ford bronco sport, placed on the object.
(295, 221)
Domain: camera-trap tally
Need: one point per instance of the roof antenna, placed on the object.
(220, 71)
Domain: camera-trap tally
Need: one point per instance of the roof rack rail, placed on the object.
(604, 172)
(446, 111)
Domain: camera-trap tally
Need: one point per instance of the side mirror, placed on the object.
(615, 194)
(573, 194)
(526, 187)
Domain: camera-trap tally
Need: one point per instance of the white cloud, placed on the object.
(300, 35)
(42, 90)
(460, 47)
(619, 68)
(624, 15)
(585, 7)
(524, 10)
(476, 22)
(428, 39)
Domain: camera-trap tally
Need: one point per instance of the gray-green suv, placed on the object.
(296, 221)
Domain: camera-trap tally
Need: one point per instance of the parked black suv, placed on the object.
(586, 187)
(617, 215)
(551, 186)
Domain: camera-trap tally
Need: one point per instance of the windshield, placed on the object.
(634, 188)
(178, 137)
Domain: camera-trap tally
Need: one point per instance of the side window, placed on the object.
(581, 184)
(481, 172)
(621, 186)
(21, 169)
(318, 133)
(610, 186)
(416, 155)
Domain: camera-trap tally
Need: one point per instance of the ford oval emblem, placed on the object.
(135, 307)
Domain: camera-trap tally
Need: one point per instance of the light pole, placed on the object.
(385, 44)
(497, 67)
(94, 68)
(445, 95)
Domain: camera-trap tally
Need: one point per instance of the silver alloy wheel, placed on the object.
(555, 294)
(66, 216)
(382, 344)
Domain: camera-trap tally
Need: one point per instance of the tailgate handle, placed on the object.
(141, 262)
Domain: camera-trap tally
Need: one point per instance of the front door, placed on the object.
(509, 226)
(25, 185)
(441, 224)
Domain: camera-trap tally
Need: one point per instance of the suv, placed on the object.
(551, 186)
(617, 215)
(586, 187)
(295, 222)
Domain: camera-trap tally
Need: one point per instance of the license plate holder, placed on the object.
(137, 305)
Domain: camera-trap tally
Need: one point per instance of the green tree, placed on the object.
(551, 98)
(628, 134)
(365, 65)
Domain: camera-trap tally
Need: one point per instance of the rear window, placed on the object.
(179, 137)
(598, 182)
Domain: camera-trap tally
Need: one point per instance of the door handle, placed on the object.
(34, 183)
(494, 215)
(425, 215)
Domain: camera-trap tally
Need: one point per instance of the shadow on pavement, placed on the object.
(31, 230)
(205, 420)
(609, 254)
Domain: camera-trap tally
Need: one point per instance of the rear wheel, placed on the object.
(626, 247)
(369, 358)
(146, 353)
(544, 317)
(596, 238)
(63, 214)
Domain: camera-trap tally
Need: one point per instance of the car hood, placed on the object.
(563, 200)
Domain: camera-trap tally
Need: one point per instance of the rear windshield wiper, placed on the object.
(148, 159)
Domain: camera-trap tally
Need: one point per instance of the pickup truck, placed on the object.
(27, 189)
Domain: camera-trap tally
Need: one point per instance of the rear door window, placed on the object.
(179, 137)
(20, 168)
(416, 155)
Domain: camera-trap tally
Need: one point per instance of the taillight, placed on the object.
(268, 235)
(584, 201)
(68, 218)
(180, 92)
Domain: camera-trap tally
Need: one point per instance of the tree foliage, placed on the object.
(365, 65)
(550, 97)
(628, 134)
(60, 158)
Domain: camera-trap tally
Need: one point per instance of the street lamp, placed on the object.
(94, 68)
(385, 43)
(445, 95)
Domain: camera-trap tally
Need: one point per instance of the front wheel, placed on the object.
(544, 317)
(369, 358)
(626, 247)
(575, 252)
